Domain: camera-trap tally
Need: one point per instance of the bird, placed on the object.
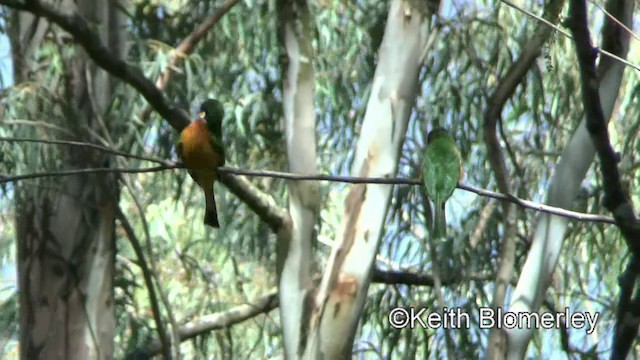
(441, 171)
(201, 150)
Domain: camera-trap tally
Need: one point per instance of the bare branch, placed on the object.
(565, 33)
(266, 208)
(220, 320)
(186, 47)
(7, 179)
(615, 20)
(269, 302)
(506, 88)
(77, 26)
(92, 146)
(615, 198)
(164, 343)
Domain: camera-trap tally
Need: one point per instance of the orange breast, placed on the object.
(197, 152)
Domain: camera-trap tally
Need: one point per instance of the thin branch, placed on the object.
(263, 204)
(567, 34)
(275, 216)
(7, 179)
(220, 320)
(80, 30)
(613, 18)
(164, 343)
(92, 146)
(406, 181)
(174, 338)
(269, 302)
(186, 47)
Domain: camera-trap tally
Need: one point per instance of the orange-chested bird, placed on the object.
(200, 148)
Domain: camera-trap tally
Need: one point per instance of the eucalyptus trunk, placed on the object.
(337, 308)
(295, 244)
(66, 225)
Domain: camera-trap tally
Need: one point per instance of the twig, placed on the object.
(164, 342)
(186, 47)
(344, 179)
(269, 302)
(92, 146)
(175, 339)
(405, 181)
(613, 18)
(221, 320)
(568, 35)
(80, 30)
(6, 179)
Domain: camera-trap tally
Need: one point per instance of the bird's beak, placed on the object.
(202, 115)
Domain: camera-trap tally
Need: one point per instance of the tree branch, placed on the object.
(615, 199)
(105, 149)
(269, 302)
(606, 53)
(103, 57)
(506, 88)
(77, 26)
(220, 320)
(164, 344)
(265, 206)
(186, 47)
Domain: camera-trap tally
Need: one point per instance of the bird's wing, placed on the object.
(429, 176)
(451, 174)
(218, 147)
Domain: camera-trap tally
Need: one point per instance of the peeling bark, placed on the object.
(338, 305)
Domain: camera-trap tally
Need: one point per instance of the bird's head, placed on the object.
(437, 133)
(212, 112)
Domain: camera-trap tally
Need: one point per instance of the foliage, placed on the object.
(238, 62)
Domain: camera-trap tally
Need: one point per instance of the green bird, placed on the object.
(200, 148)
(441, 171)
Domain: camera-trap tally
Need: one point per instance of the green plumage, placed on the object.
(441, 171)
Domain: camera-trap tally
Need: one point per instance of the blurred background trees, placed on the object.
(107, 228)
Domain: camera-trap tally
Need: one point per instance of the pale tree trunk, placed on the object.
(576, 159)
(294, 243)
(65, 227)
(338, 305)
(496, 348)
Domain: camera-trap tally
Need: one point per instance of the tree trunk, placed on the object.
(66, 226)
(576, 159)
(294, 246)
(338, 306)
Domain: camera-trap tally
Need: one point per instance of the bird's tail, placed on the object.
(211, 213)
(439, 221)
